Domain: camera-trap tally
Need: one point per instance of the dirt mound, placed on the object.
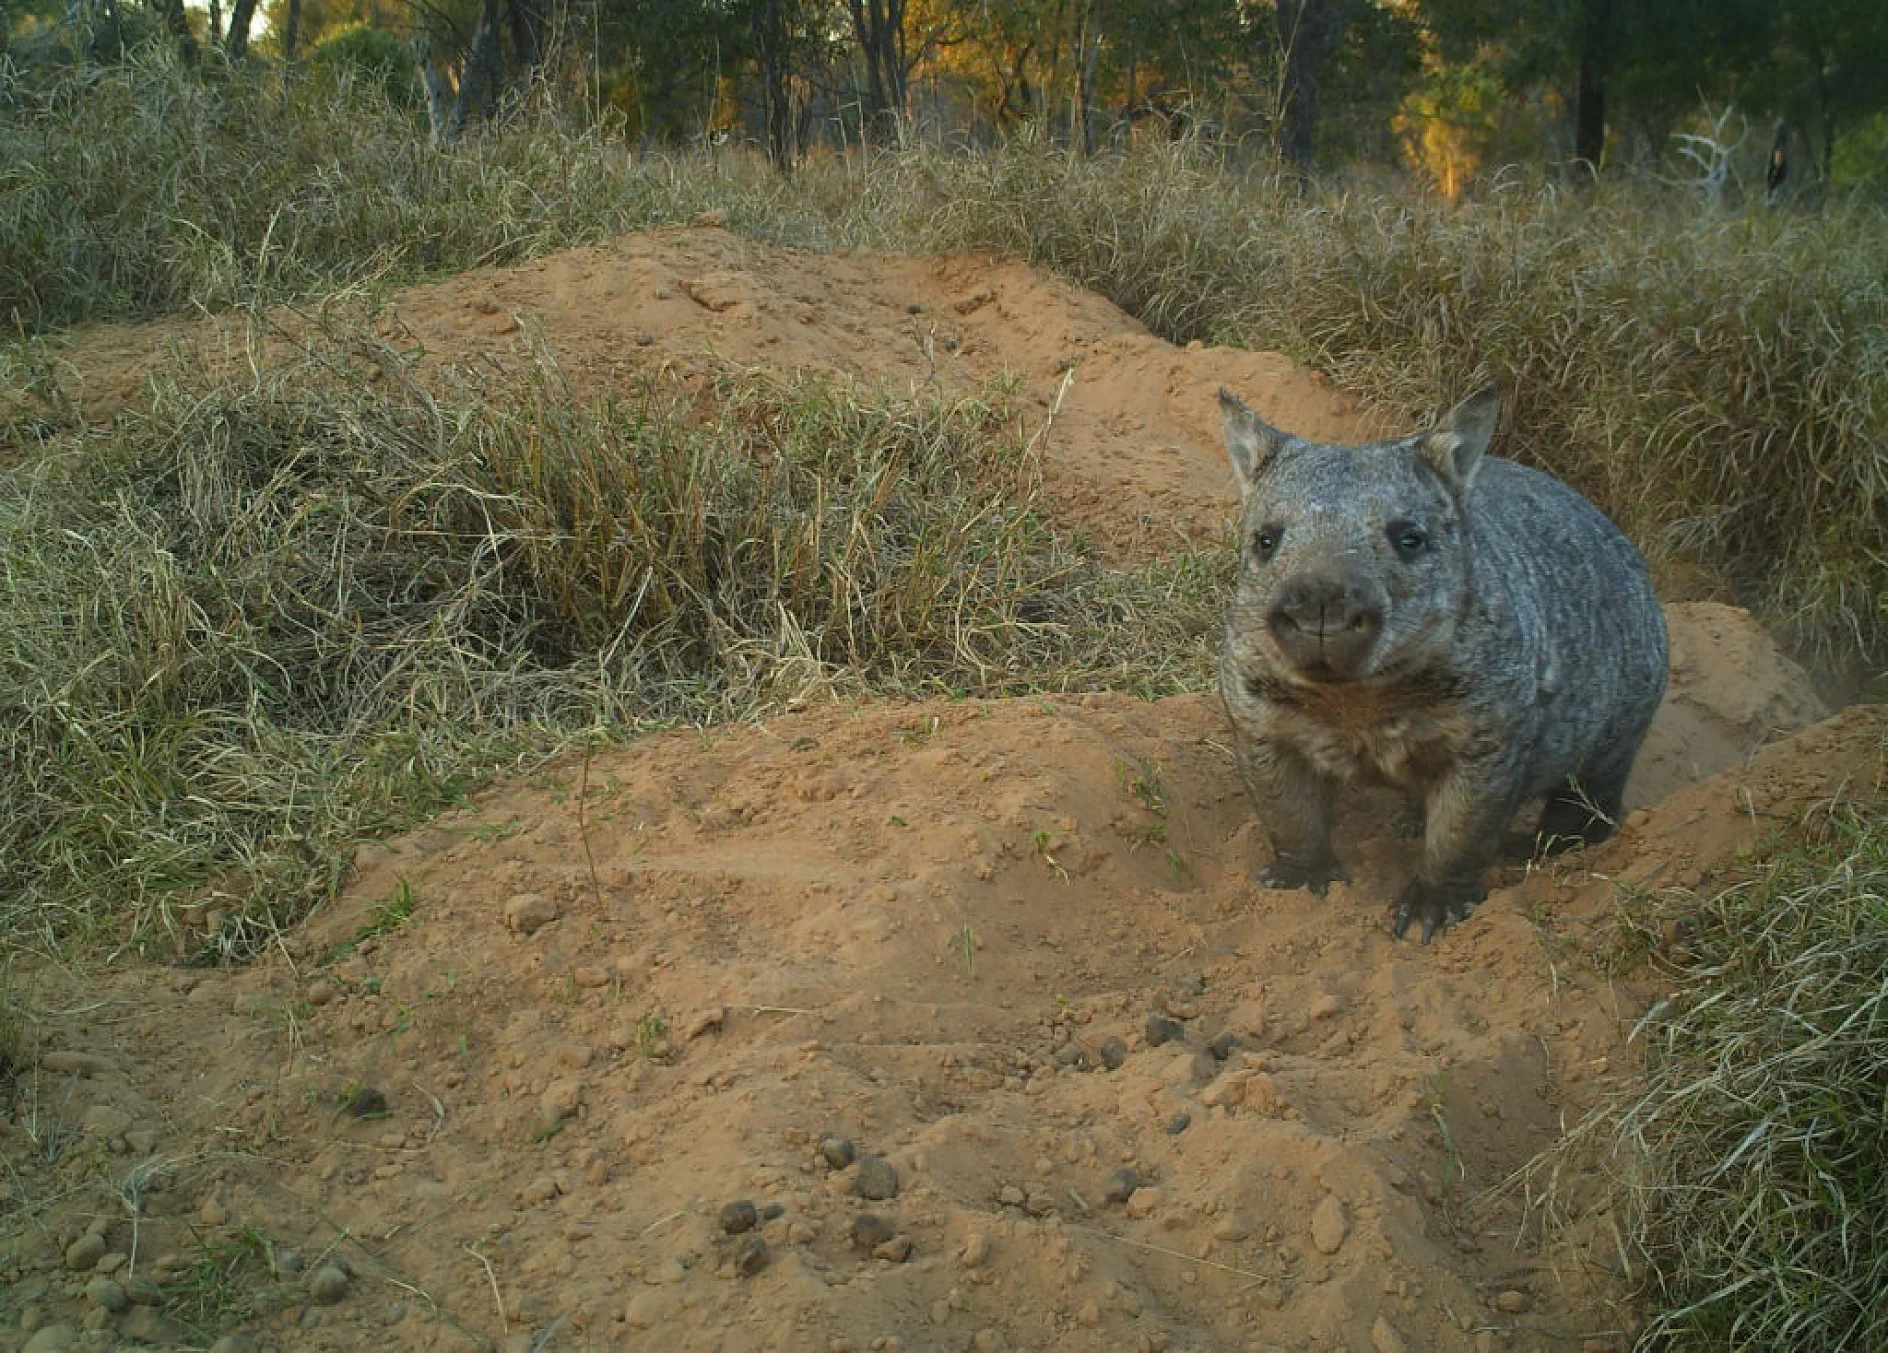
(1131, 446)
(504, 1091)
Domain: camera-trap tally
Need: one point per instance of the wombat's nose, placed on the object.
(1325, 623)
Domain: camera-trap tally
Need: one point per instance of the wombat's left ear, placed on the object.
(1250, 440)
(1456, 446)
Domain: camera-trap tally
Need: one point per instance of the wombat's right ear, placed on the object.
(1250, 441)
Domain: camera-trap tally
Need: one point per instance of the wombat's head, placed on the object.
(1354, 558)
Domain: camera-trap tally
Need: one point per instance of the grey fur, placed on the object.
(1418, 613)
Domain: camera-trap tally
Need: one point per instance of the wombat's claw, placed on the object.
(1318, 877)
(1436, 905)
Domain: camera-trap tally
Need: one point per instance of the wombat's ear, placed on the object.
(1456, 445)
(1250, 440)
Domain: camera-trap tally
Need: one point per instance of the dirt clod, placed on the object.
(328, 1284)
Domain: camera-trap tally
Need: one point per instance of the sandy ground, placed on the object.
(954, 1026)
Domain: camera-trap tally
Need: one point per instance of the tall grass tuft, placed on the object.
(1751, 1161)
(251, 625)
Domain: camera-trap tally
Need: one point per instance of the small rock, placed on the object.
(52, 1339)
(1514, 1302)
(1230, 1231)
(836, 1151)
(85, 1252)
(107, 1293)
(78, 1063)
(1204, 1067)
(142, 1141)
(1329, 1224)
(1385, 1339)
(319, 992)
(1010, 1196)
(146, 1325)
(1222, 1046)
(1179, 1123)
(1160, 1029)
(895, 1251)
(560, 1100)
(103, 1120)
(1145, 1202)
(143, 1290)
(712, 219)
(976, 1249)
(752, 1256)
(1121, 1185)
(328, 1284)
(869, 1231)
(367, 1103)
(527, 913)
(772, 1210)
(234, 1343)
(739, 1216)
(1326, 1006)
(288, 1263)
(704, 1022)
(647, 1309)
(590, 977)
(876, 1179)
(1113, 1053)
(1069, 1054)
(990, 1341)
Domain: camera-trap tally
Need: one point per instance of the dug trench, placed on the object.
(976, 1004)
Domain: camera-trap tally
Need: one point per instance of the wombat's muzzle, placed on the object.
(1325, 624)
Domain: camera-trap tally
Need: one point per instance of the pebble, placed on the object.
(527, 913)
(752, 1256)
(1514, 1302)
(319, 992)
(1121, 1185)
(837, 1151)
(989, 1341)
(1222, 1047)
(52, 1339)
(143, 1290)
(1160, 1029)
(103, 1120)
(1384, 1338)
(82, 1063)
(976, 1249)
(234, 1343)
(1329, 1224)
(328, 1284)
(706, 1021)
(739, 1216)
(1145, 1202)
(84, 1252)
(107, 1293)
(1326, 1006)
(1179, 1123)
(1113, 1053)
(896, 1250)
(1230, 1231)
(367, 1103)
(876, 1179)
(1204, 1067)
(559, 1101)
(869, 1231)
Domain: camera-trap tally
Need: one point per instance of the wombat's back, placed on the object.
(1567, 611)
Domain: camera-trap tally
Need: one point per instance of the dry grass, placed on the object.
(1748, 1168)
(251, 625)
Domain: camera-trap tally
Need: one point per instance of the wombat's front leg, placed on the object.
(1295, 803)
(1467, 810)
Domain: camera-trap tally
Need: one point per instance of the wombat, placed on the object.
(1418, 613)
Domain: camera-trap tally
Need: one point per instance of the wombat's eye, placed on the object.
(1265, 541)
(1409, 539)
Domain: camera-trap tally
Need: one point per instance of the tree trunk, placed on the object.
(773, 51)
(1307, 32)
(236, 40)
(527, 34)
(291, 27)
(879, 26)
(1589, 116)
(1087, 53)
(172, 13)
(483, 76)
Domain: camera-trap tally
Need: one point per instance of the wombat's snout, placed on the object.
(1325, 623)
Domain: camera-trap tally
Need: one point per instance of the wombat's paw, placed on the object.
(1317, 876)
(1435, 905)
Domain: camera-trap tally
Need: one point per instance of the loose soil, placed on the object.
(504, 1090)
